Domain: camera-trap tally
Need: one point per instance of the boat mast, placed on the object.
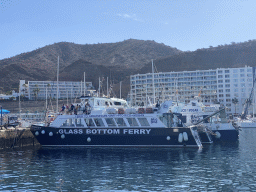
(99, 86)
(176, 90)
(58, 84)
(107, 88)
(46, 98)
(84, 83)
(153, 79)
(253, 104)
(81, 91)
(120, 88)
(19, 102)
(67, 93)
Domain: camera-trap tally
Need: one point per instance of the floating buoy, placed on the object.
(141, 110)
(62, 136)
(185, 136)
(120, 111)
(180, 138)
(36, 133)
(218, 135)
(50, 134)
(88, 139)
(168, 138)
(149, 110)
(43, 131)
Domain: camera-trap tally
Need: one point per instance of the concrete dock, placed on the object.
(17, 137)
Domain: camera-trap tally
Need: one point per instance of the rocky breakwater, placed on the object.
(16, 137)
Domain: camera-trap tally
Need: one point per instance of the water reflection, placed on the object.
(218, 167)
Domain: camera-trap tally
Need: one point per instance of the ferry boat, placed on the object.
(123, 128)
(212, 118)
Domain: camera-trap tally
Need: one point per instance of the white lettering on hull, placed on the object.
(136, 131)
(105, 131)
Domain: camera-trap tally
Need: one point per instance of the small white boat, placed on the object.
(246, 123)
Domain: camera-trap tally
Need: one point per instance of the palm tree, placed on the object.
(235, 101)
(36, 91)
(23, 91)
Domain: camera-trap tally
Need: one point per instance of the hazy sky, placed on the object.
(26, 25)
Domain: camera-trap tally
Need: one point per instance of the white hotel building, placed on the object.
(41, 89)
(214, 85)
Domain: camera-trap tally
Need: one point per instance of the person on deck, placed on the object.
(72, 107)
(75, 111)
(63, 108)
(66, 109)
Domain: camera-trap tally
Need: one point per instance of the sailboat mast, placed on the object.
(153, 79)
(58, 85)
(19, 103)
(99, 86)
(84, 83)
(46, 98)
(107, 88)
(120, 88)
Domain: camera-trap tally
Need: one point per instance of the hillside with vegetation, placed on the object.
(118, 61)
(119, 58)
(223, 56)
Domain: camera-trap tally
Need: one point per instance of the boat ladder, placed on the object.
(196, 137)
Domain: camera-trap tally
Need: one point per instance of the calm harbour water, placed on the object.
(217, 167)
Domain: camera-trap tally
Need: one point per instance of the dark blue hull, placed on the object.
(205, 138)
(226, 135)
(113, 137)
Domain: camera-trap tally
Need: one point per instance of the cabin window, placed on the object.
(68, 123)
(132, 122)
(143, 121)
(110, 122)
(117, 103)
(78, 122)
(99, 122)
(89, 122)
(120, 122)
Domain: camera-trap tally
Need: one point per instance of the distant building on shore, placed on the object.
(220, 85)
(13, 96)
(40, 90)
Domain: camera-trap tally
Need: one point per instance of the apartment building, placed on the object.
(213, 86)
(41, 90)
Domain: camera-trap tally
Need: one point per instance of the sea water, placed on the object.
(217, 167)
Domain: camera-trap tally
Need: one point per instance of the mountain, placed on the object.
(118, 61)
(223, 56)
(121, 58)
